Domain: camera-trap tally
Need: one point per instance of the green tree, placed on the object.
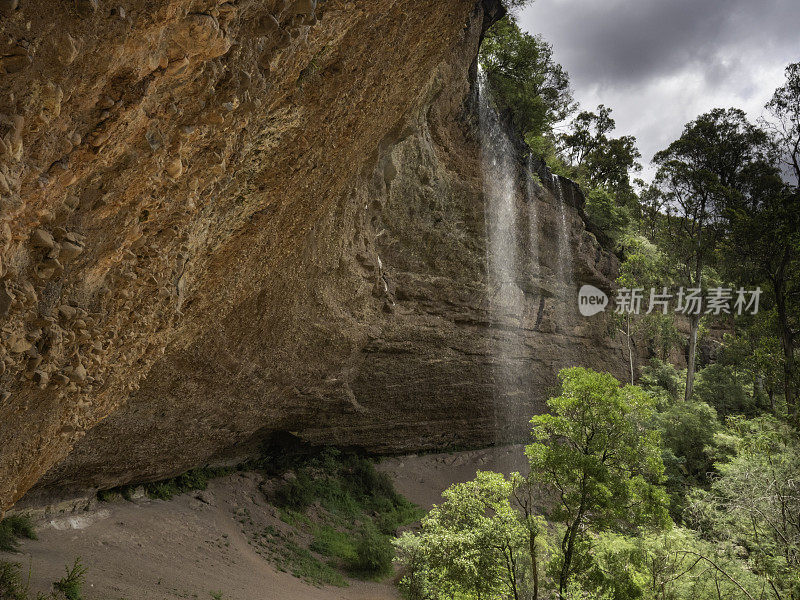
(601, 456)
(525, 78)
(755, 502)
(700, 174)
(645, 267)
(482, 542)
(603, 161)
(764, 228)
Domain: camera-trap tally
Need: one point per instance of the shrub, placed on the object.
(333, 543)
(374, 554)
(719, 386)
(11, 586)
(14, 528)
(297, 494)
(70, 585)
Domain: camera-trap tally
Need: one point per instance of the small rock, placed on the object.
(282, 40)
(174, 168)
(105, 102)
(265, 60)
(41, 379)
(8, 6)
(14, 63)
(70, 250)
(67, 49)
(43, 239)
(267, 25)
(47, 268)
(87, 8)
(67, 311)
(303, 7)
(78, 373)
(177, 67)
(60, 379)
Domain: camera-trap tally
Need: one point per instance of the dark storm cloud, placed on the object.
(660, 63)
(630, 41)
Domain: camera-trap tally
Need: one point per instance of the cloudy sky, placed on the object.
(660, 63)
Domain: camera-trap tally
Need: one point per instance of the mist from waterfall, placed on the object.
(565, 274)
(506, 300)
(533, 221)
(510, 233)
(499, 186)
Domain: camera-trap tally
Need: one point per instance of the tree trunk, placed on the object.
(690, 359)
(694, 326)
(568, 548)
(630, 347)
(788, 355)
(534, 564)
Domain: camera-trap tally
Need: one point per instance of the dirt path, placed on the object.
(196, 544)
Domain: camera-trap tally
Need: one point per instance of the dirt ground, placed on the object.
(198, 544)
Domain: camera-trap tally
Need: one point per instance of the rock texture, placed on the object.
(224, 219)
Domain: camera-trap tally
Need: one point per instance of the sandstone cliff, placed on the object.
(225, 219)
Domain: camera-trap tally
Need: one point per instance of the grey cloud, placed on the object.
(660, 63)
(626, 42)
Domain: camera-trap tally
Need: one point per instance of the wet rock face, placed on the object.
(222, 219)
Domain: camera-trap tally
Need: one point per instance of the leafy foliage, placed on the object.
(476, 544)
(600, 454)
(525, 78)
(72, 583)
(13, 528)
(755, 501)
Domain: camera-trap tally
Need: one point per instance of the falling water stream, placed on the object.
(565, 274)
(505, 299)
(507, 264)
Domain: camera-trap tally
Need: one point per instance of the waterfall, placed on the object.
(499, 187)
(506, 300)
(565, 274)
(533, 221)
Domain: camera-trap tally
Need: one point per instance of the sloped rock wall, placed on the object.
(221, 220)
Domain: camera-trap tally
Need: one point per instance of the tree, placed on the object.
(699, 174)
(604, 162)
(755, 501)
(484, 541)
(602, 165)
(600, 455)
(525, 78)
(646, 267)
(781, 218)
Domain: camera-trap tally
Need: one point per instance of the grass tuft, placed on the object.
(14, 528)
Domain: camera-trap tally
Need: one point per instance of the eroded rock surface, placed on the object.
(225, 219)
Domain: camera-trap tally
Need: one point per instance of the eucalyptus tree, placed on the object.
(699, 175)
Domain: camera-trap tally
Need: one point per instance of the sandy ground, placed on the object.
(198, 543)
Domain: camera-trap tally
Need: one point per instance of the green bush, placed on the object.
(374, 554)
(14, 528)
(333, 543)
(301, 563)
(603, 210)
(11, 586)
(298, 493)
(719, 386)
(70, 585)
(663, 380)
